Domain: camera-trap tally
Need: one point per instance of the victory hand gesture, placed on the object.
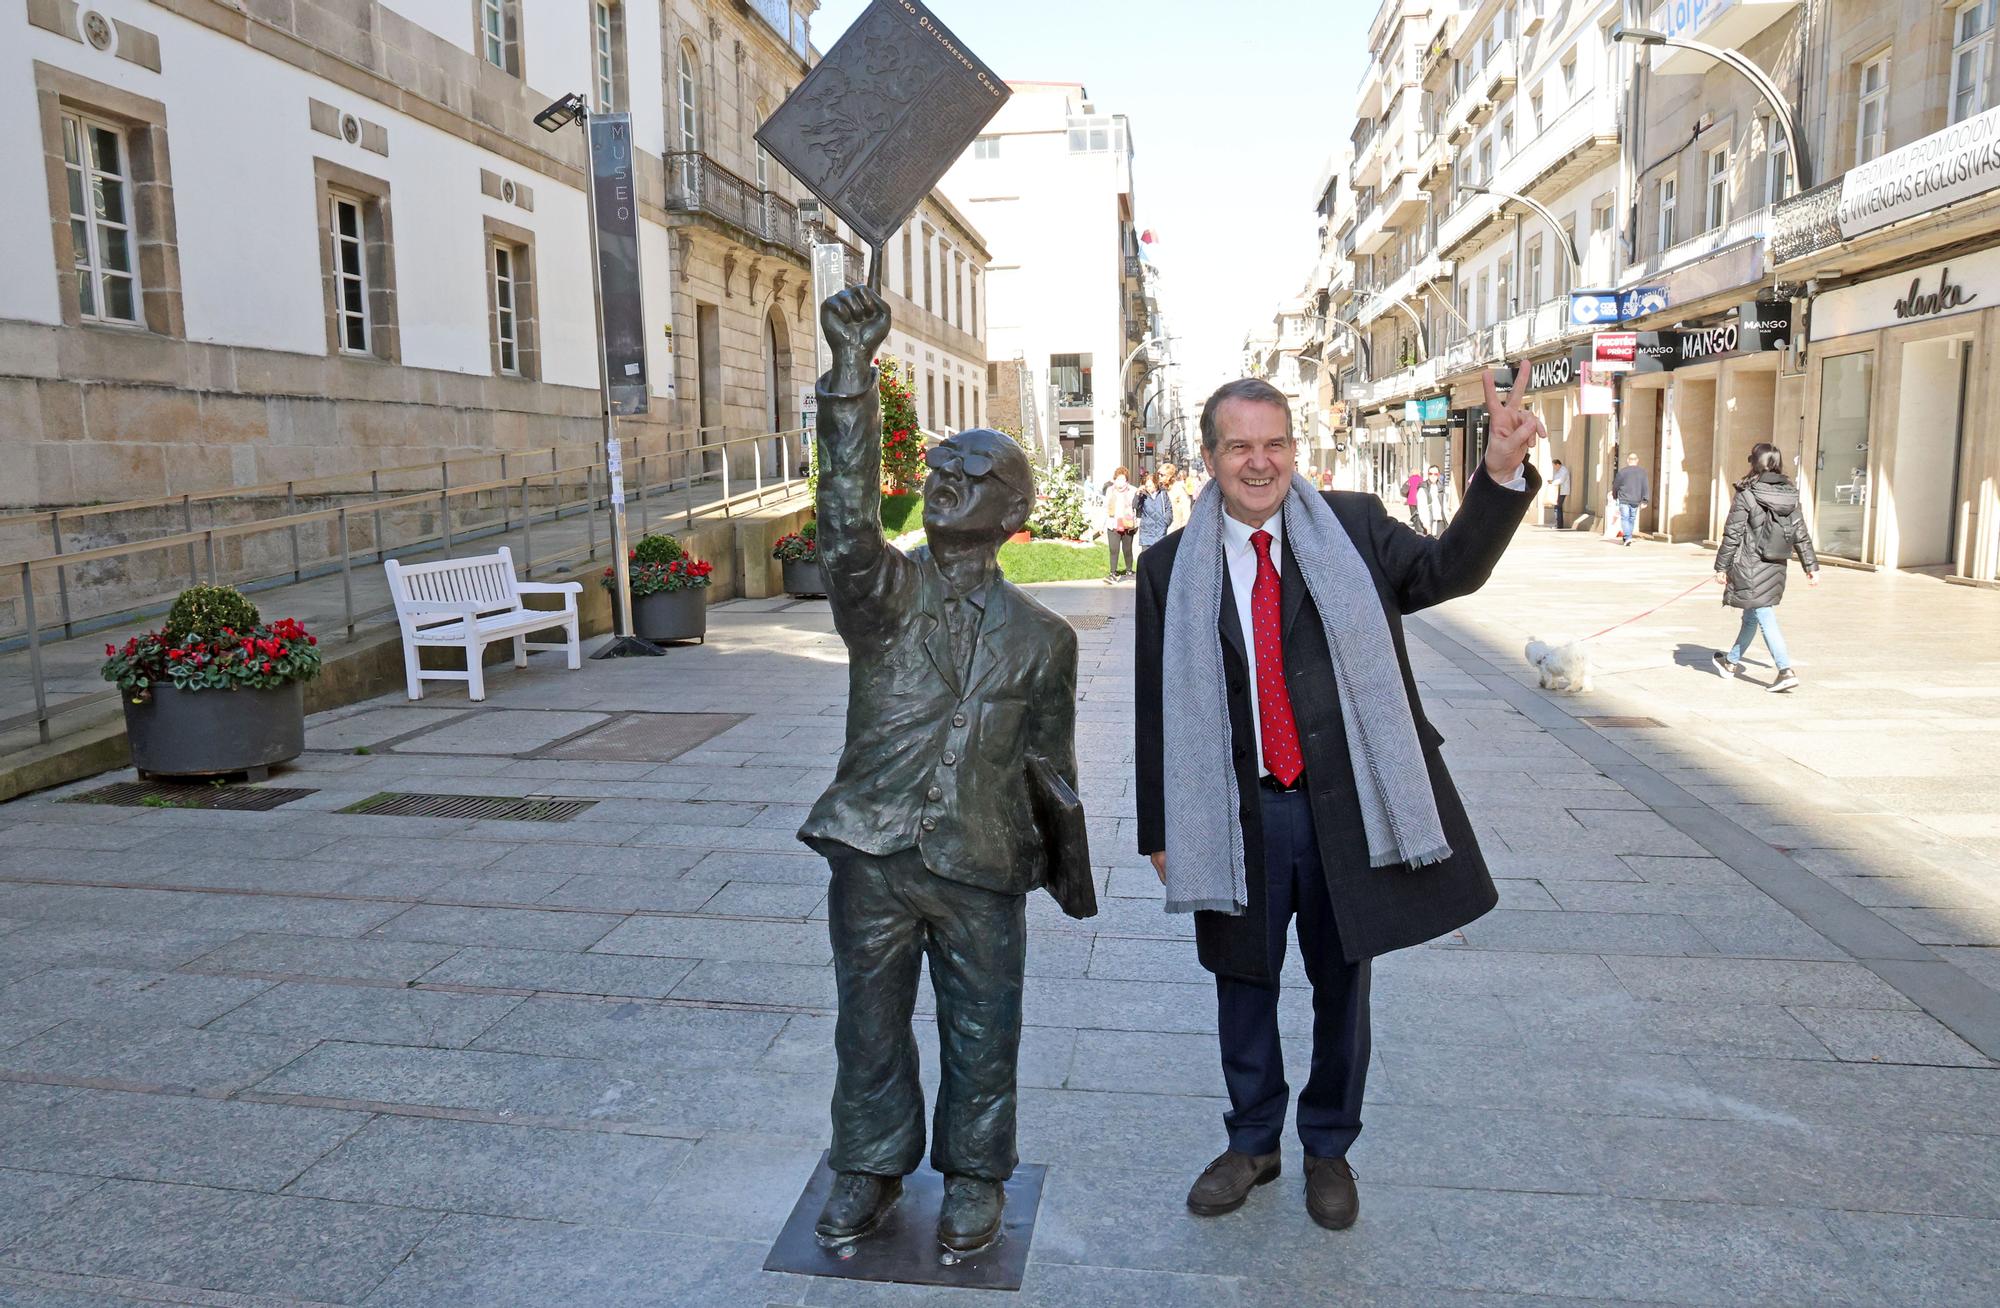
(1512, 429)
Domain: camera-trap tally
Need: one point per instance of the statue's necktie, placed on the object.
(1274, 703)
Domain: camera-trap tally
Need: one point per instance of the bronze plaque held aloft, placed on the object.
(877, 122)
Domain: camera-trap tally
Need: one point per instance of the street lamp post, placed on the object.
(1647, 36)
(1568, 241)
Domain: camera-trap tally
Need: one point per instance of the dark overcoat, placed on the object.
(1375, 910)
(1755, 582)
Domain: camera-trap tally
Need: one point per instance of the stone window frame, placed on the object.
(144, 124)
(509, 38)
(379, 258)
(621, 87)
(519, 243)
(689, 134)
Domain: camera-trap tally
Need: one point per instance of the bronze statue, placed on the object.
(957, 679)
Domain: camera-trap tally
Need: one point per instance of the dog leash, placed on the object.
(1705, 581)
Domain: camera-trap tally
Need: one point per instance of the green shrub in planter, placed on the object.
(657, 548)
(206, 612)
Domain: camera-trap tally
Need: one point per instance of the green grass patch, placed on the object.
(1026, 562)
(901, 513)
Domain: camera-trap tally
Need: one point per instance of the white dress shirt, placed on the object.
(1240, 556)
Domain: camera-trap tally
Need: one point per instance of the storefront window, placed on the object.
(1846, 383)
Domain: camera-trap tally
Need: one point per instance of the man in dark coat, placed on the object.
(955, 677)
(1305, 850)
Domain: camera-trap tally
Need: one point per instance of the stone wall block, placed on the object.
(233, 420)
(61, 405)
(120, 355)
(150, 415)
(122, 471)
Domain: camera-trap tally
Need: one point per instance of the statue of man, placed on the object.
(956, 678)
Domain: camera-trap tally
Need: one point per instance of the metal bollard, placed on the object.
(346, 574)
(62, 579)
(35, 652)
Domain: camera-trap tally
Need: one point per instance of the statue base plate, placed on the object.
(904, 1249)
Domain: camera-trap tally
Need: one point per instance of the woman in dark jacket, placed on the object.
(1765, 527)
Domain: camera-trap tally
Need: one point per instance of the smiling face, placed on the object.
(1252, 460)
(988, 505)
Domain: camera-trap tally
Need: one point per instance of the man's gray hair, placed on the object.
(1252, 390)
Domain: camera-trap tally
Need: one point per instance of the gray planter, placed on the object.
(672, 615)
(207, 733)
(806, 578)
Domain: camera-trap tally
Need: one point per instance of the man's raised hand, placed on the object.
(1512, 429)
(856, 322)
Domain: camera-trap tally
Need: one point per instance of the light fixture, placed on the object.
(561, 114)
(1638, 35)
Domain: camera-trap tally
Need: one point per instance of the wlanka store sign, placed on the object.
(1953, 286)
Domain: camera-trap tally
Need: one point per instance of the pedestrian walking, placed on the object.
(1632, 489)
(1292, 773)
(1412, 493)
(1559, 488)
(1178, 495)
(1154, 511)
(1431, 501)
(1121, 524)
(1765, 528)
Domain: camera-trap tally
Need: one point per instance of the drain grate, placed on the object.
(502, 808)
(156, 794)
(1613, 720)
(1088, 621)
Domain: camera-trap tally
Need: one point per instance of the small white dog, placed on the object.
(1564, 668)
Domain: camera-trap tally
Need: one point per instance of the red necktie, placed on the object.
(1274, 703)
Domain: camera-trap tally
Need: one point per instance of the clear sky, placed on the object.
(1234, 109)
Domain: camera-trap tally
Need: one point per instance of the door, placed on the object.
(777, 384)
(1918, 511)
(1840, 467)
(708, 382)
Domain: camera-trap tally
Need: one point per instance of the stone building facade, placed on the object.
(1711, 259)
(331, 237)
(935, 282)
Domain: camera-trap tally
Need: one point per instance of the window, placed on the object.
(607, 39)
(510, 299)
(1507, 136)
(986, 147)
(1871, 125)
(1070, 375)
(1569, 75)
(1481, 300)
(1668, 191)
(930, 401)
(1535, 111)
(500, 34)
(1601, 239)
(357, 263)
(1777, 162)
(930, 270)
(1503, 288)
(506, 327)
(1531, 275)
(689, 102)
(105, 246)
(346, 229)
(1971, 54)
(909, 267)
(1094, 135)
(1716, 207)
(1486, 162)
(958, 296)
(1567, 277)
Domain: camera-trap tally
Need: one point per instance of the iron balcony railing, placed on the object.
(698, 184)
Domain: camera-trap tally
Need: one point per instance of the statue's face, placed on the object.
(979, 487)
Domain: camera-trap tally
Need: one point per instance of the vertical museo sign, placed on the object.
(614, 190)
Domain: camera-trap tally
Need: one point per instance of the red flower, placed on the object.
(173, 653)
(111, 651)
(312, 640)
(267, 665)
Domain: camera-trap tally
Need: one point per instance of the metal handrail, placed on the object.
(596, 493)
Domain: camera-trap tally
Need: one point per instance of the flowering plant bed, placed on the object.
(216, 690)
(660, 566)
(801, 546)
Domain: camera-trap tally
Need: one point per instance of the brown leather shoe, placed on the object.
(1225, 1183)
(1331, 1199)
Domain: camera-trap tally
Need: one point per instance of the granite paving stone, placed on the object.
(1874, 1035)
(725, 938)
(634, 1032)
(321, 956)
(312, 1011)
(516, 927)
(28, 1199)
(558, 971)
(179, 1138)
(497, 1170)
(228, 1240)
(197, 1062)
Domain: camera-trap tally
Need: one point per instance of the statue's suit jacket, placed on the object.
(934, 760)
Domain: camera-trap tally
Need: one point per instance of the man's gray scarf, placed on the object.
(1205, 867)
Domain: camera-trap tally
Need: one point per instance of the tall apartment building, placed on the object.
(934, 280)
(256, 243)
(1848, 323)
(1069, 298)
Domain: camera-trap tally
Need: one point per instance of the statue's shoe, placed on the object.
(969, 1218)
(857, 1205)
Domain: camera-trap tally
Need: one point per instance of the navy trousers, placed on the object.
(1253, 1060)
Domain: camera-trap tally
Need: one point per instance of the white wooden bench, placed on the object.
(471, 603)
